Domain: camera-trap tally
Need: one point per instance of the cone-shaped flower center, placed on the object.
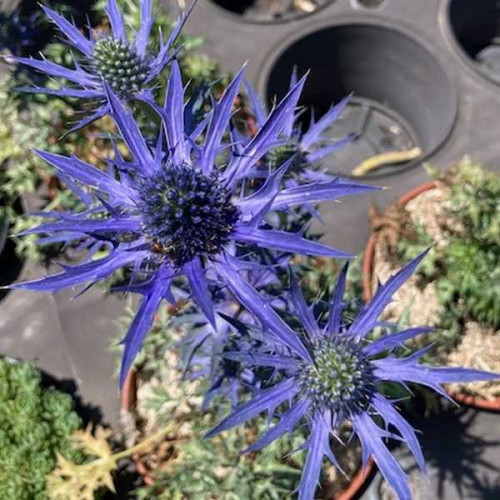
(340, 378)
(120, 66)
(186, 213)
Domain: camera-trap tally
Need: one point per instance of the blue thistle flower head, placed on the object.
(202, 346)
(173, 212)
(119, 65)
(330, 372)
(127, 66)
(340, 378)
(307, 148)
(186, 213)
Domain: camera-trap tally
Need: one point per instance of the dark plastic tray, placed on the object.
(410, 57)
(434, 90)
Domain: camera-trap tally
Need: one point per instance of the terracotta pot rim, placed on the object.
(476, 402)
(128, 399)
(368, 256)
(357, 482)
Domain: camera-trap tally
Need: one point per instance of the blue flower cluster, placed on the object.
(190, 213)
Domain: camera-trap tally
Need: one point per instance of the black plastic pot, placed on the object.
(475, 29)
(369, 4)
(382, 51)
(464, 467)
(403, 97)
(10, 263)
(269, 11)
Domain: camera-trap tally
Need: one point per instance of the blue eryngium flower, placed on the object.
(307, 147)
(333, 373)
(126, 66)
(172, 212)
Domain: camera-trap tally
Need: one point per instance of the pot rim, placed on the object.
(128, 400)
(368, 256)
(242, 19)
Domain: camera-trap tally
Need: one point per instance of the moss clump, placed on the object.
(35, 424)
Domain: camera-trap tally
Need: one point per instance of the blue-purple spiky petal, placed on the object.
(218, 123)
(392, 417)
(389, 342)
(116, 20)
(147, 20)
(286, 424)
(70, 30)
(199, 288)
(323, 191)
(269, 133)
(336, 357)
(142, 322)
(261, 309)
(318, 446)
(314, 132)
(130, 132)
(287, 242)
(304, 313)
(267, 401)
(372, 441)
(370, 313)
(83, 273)
(333, 326)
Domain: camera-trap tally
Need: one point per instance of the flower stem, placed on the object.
(143, 445)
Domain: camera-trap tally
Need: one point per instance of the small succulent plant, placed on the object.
(474, 196)
(472, 282)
